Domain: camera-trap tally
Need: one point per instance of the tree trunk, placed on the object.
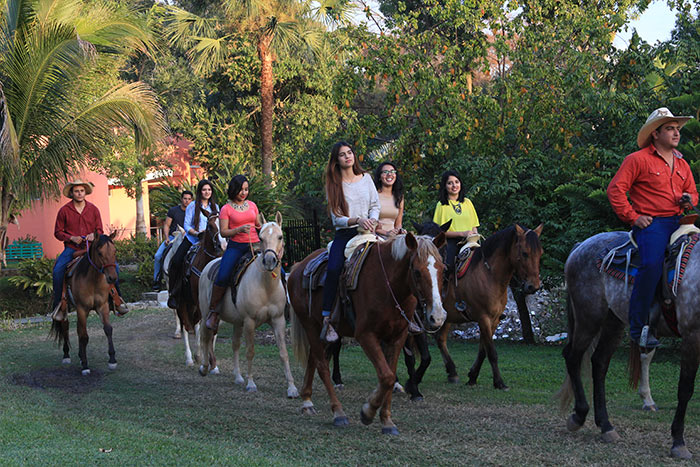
(267, 84)
(5, 204)
(140, 218)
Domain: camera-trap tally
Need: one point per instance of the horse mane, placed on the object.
(426, 247)
(503, 239)
(83, 266)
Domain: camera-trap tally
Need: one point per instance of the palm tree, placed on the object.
(53, 115)
(274, 26)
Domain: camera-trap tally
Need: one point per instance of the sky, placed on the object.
(654, 25)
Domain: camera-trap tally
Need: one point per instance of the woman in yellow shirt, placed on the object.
(460, 210)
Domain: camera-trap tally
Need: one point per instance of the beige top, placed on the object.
(388, 211)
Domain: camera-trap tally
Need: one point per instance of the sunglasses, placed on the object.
(387, 172)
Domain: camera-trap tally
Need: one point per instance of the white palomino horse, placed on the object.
(174, 245)
(261, 299)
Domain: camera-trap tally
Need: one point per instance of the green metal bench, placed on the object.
(18, 251)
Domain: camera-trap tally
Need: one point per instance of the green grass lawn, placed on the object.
(154, 410)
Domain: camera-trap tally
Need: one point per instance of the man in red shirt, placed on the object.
(76, 222)
(659, 182)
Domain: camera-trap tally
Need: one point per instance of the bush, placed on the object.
(35, 275)
(136, 249)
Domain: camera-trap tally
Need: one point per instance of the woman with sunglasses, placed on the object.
(455, 207)
(390, 188)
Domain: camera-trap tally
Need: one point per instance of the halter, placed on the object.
(278, 261)
(415, 292)
(100, 270)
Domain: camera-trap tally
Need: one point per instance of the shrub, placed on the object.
(136, 249)
(36, 275)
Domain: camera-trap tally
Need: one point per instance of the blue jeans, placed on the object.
(652, 243)
(158, 260)
(59, 272)
(336, 260)
(234, 252)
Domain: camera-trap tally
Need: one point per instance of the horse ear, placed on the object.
(446, 226)
(519, 230)
(262, 218)
(206, 213)
(411, 241)
(538, 230)
(113, 234)
(278, 218)
(440, 240)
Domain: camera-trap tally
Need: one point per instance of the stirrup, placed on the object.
(413, 328)
(212, 322)
(58, 313)
(328, 334)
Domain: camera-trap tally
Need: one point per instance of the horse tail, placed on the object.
(56, 332)
(634, 366)
(300, 341)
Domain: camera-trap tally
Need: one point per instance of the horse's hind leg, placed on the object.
(83, 341)
(236, 347)
(690, 358)
(334, 350)
(249, 328)
(66, 343)
(610, 337)
(441, 339)
(386, 374)
(107, 327)
(279, 327)
(573, 355)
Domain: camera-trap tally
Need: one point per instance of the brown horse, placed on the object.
(483, 292)
(211, 247)
(90, 284)
(397, 275)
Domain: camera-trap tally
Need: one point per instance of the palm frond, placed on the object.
(207, 54)
(182, 26)
(333, 12)
(9, 146)
(58, 11)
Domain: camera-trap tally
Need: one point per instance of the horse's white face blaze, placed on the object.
(437, 314)
(272, 242)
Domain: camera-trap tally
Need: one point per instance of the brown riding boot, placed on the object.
(217, 294)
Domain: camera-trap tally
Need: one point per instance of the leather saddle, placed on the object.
(237, 274)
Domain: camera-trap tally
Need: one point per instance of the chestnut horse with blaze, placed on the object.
(397, 275)
(90, 285)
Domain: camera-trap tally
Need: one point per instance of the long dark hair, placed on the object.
(198, 200)
(235, 186)
(443, 187)
(396, 188)
(334, 180)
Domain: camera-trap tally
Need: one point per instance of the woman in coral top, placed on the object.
(238, 220)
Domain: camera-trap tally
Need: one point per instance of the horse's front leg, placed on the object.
(82, 339)
(236, 347)
(644, 390)
(66, 343)
(317, 361)
(334, 349)
(392, 357)
(279, 325)
(486, 345)
(441, 339)
(385, 375)
(610, 337)
(409, 358)
(249, 328)
(189, 361)
(422, 345)
(690, 358)
(107, 327)
(178, 327)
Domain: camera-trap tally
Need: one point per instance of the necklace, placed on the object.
(240, 207)
(457, 207)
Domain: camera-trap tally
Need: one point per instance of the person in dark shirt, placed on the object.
(76, 223)
(174, 218)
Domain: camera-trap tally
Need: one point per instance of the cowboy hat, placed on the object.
(67, 190)
(657, 118)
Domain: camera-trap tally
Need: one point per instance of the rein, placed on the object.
(397, 305)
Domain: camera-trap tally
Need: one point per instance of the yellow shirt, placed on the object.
(467, 220)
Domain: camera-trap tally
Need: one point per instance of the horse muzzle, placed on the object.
(270, 260)
(436, 317)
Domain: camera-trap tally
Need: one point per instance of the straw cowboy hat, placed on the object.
(67, 190)
(657, 118)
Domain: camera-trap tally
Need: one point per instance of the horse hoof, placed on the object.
(65, 361)
(177, 335)
(571, 424)
(292, 393)
(251, 388)
(85, 372)
(215, 371)
(341, 421)
(203, 371)
(417, 399)
(308, 411)
(610, 436)
(390, 430)
(650, 408)
(501, 387)
(112, 366)
(681, 452)
(398, 388)
(364, 418)
(453, 379)
(339, 387)
(189, 363)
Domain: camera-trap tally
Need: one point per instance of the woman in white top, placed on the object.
(390, 189)
(352, 202)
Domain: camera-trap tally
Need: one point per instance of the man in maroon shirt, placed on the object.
(660, 186)
(76, 223)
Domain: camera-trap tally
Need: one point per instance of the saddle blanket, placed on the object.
(315, 270)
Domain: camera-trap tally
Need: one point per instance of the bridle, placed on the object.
(88, 255)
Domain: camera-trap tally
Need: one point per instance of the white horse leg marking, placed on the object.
(188, 351)
(177, 334)
(112, 366)
(66, 361)
(279, 325)
(644, 389)
(236, 346)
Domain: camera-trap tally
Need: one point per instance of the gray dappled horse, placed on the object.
(597, 313)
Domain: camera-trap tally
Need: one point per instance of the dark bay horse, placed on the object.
(483, 292)
(211, 246)
(90, 284)
(397, 275)
(598, 305)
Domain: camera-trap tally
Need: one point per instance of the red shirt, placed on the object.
(238, 219)
(71, 223)
(653, 189)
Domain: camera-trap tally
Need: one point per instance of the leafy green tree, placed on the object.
(54, 114)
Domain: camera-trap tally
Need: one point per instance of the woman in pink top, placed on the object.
(238, 220)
